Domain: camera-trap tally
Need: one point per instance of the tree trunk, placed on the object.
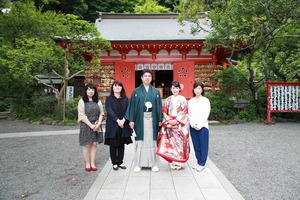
(264, 62)
(61, 99)
(252, 87)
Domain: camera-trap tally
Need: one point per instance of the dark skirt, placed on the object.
(118, 140)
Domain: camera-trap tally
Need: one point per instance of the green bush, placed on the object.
(20, 109)
(43, 104)
(222, 108)
(40, 105)
(3, 105)
(262, 100)
(71, 108)
(249, 114)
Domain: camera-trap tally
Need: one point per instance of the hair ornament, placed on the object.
(181, 86)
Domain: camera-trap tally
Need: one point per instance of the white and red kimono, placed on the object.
(173, 139)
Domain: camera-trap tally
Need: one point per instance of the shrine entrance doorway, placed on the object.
(163, 74)
(162, 80)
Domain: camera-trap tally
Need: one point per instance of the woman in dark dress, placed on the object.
(118, 131)
(90, 116)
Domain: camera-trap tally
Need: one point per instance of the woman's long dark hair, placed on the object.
(119, 83)
(84, 95)
(196, 84)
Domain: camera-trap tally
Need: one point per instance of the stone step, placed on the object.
(5, 114)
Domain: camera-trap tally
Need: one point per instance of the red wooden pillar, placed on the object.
(269, 105)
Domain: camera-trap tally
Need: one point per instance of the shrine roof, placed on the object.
(148, 27)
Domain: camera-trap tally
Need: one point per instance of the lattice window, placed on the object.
(154, 66)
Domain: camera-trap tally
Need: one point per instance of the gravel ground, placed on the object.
(261, 161)
(44, 167)
(11, 125)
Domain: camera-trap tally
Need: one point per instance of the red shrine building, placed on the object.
(157, 42)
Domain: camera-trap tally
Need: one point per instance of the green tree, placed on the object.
(4, 3)
(110, 6)
(22, 26)
(28, 48)
(255, 28)
(150, 6)
(75, 7)
(279, 60)
(85, 47)
(171, 4)
(87, 10)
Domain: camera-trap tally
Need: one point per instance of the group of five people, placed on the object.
(159, 130)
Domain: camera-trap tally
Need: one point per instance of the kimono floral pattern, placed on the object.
(173, 139)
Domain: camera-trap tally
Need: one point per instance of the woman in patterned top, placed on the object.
(90, 116)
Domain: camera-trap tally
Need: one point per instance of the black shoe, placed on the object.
(122, 166)
(115, 167)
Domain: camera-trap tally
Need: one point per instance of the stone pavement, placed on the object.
(186, 184)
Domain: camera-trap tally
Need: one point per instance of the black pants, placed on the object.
(117, 154)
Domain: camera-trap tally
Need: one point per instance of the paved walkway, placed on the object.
(186, 184)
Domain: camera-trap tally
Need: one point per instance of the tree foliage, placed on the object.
(89, 10)
(86, 10)
(109, 6)
(150, 6)
(265, 32)
(28, 49)
(222, 107)
(171, 4)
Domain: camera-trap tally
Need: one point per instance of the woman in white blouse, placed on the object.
(199, 110)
